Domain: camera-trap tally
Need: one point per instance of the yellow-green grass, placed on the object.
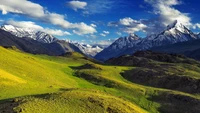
(23, 74)
(77, 101)
(26, 74)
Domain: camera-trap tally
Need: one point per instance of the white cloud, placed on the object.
(129, 25)
(84, 29)
(167, 13)
(104, 35)
(93, 25)
(56, 32)
(35, 27)
(131, 30)
(25, 24)
(36, 11)
(197, 25)
(106, 32)
(127, 21)
(75, 5)
(21, 7)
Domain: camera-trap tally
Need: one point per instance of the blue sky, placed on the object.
(99, 21)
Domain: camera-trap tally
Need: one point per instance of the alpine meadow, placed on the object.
(99, 56)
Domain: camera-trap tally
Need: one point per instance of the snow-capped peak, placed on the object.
(19, 32)
(8, 27)
(178, 26)
(29, 33)
(133, 37)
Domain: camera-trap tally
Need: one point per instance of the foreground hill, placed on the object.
(73, 83)
(170, 71)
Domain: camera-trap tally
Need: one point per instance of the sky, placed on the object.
(99, 21)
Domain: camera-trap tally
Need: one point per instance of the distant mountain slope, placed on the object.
(188, 48)
(32, 46)
(28, 33)
(174, 33)
(119, 46)
(87, 49)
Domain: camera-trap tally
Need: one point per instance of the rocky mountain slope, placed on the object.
(32, 46)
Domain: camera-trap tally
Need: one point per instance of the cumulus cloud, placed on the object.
(93, 25)
(197, 25)
(84, 29)
(129, 25)
(105, 33)
(167, 14)
(127, 21)
(75, 5)
(33, 26)
(21, 7)
(56, 32)
(25, 24)
(36, 11)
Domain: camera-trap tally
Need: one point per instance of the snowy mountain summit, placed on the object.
(29, 33)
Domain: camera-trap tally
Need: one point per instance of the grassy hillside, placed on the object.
(72, 83)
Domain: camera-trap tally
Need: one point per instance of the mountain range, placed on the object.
(30, 45)
(46, 43)
(39, 42)
(174, 33)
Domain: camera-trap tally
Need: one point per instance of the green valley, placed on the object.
(73, 83)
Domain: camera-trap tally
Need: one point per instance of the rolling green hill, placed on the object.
(73, 83)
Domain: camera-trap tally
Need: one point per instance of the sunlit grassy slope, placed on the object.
(71, 83)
